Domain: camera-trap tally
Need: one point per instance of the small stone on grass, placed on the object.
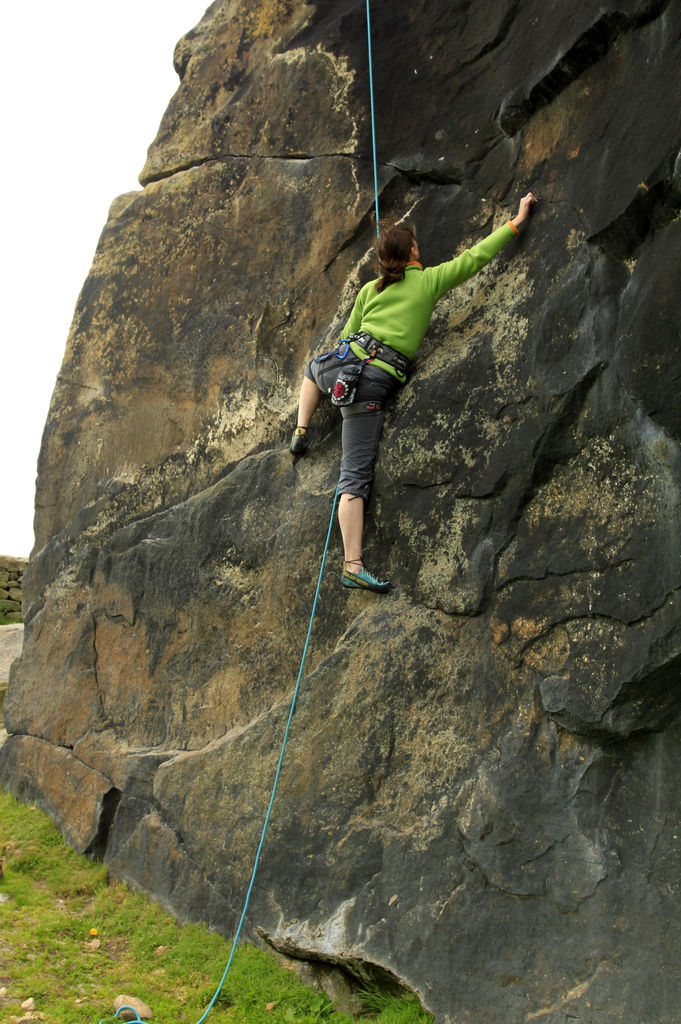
(140, 1008)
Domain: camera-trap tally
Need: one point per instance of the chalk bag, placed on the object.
(343, 392)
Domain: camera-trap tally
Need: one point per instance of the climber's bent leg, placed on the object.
(320, 376)
(310, 396)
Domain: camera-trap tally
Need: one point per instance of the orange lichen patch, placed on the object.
(529, 629)
(542, 137)
(500, 630)
(264, 18)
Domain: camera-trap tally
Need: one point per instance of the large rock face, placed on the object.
(480, 793)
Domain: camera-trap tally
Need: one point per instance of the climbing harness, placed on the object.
(345, 388)
(369, 348)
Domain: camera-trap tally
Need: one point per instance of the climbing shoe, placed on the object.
(364, 580)
(299, 441)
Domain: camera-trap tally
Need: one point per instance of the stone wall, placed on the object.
(11, 576)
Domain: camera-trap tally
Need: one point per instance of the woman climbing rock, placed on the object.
(386, 327)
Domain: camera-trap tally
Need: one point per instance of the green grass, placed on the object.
(48, 952)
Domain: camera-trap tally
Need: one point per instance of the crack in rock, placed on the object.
(520, 105)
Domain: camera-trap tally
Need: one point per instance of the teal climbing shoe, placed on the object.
(364, 580)
(299, 441)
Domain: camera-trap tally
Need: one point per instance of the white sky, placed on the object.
(86, 83)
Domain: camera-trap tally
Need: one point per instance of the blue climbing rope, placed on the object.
(373, 118)
(276, 776)
(279, 765)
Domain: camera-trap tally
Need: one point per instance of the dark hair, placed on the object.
(393, 250)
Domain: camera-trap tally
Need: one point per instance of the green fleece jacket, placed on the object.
(399, 315)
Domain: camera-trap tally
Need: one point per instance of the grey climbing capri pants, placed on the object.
(362, 421)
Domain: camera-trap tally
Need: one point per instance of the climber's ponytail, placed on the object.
(393, 250)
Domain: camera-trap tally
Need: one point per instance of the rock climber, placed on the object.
(386, 327)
